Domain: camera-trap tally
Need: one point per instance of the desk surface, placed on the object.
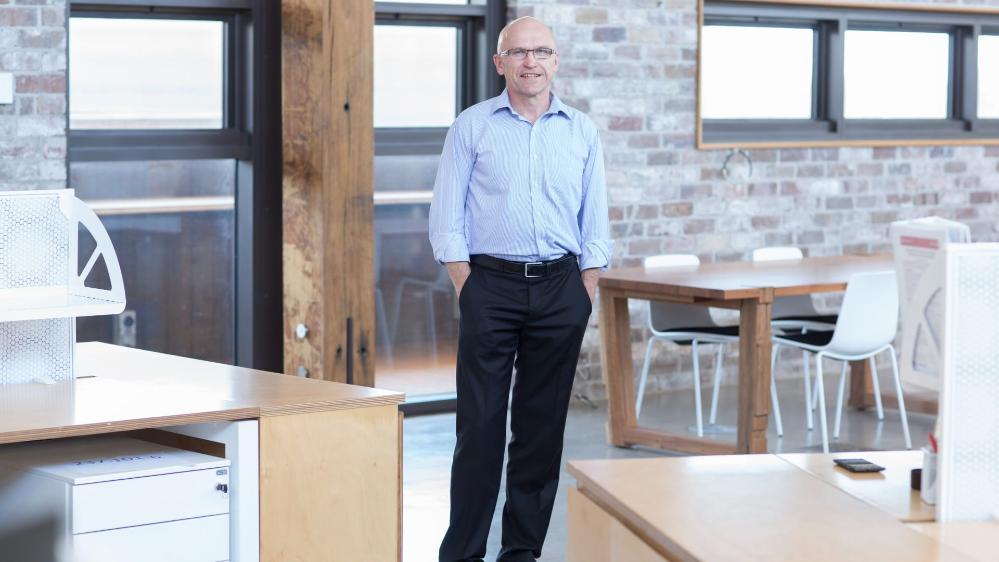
(980, 541)
(747, 507)
(740, 280)
(120, 389)
(889, 490)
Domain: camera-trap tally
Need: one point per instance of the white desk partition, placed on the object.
(918, 247)
(968, 485)
(44, 287)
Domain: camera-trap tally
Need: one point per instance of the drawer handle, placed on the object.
(224, 488)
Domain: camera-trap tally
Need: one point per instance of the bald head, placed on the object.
(525, 25)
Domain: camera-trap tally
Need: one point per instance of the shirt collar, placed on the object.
(555, 105)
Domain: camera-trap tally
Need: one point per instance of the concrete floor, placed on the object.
(429, 443)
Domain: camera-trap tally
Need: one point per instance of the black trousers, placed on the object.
(537, 326)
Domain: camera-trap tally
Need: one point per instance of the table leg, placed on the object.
(861, 389)
(754, 373)
(617, 367)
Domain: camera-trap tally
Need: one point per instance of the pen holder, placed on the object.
(928, 486)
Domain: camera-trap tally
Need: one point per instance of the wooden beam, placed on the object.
(327, 189)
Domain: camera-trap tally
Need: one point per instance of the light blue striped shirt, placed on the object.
(520, 192)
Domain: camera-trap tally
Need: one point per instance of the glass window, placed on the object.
(461, 2)
(988, 77)
(896, 75)
(416, 76)
(756, 72)
(172, 224)
(145, 73)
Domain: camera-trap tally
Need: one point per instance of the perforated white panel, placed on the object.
(36, 349)
(969, 409)
(34, 247)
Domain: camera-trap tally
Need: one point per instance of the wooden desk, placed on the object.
(729, 508)
(979, 541)
(747, 287)
(330, 463)
(889, 490)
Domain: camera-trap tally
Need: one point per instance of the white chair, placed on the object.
(867, 325)
(441, 284)
(796, 313)
(687, 324)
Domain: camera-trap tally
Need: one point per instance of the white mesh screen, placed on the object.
(34, 247)
(969, 409)
(36, 349)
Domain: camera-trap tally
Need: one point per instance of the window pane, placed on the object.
(462, 2)
(988, 77)
(415, 305)
(756, 72)
(145, 73)
(172, 224)
(416, 76)
(895, 75)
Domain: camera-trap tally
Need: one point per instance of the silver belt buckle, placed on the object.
(526, 274)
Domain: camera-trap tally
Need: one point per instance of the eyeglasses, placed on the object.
(541, 53)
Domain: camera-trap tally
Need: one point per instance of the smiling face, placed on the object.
(530, 77)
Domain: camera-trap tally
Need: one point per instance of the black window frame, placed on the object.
(251, 136)
(478, 29)
(828, 126)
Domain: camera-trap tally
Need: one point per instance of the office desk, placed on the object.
(979, 541)
(889, 490)
(729, 508)
(747, 287)
(329, 454)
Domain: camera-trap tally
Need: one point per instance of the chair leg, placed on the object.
(839, 400)
(775, 404)
(432, 324)
(396, 307)
(901, 398)
(714, 391)
(809, 397)
(822, 402)
(815, 395)
(697, 390)
(383, 324)
(876, 385)
(643, 378)
(776, 407)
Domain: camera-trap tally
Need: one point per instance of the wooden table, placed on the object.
(979, 541)
(329, 453)
(747, 287)
(734, 508)
(889, 490)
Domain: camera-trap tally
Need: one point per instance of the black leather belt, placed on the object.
(527, 269)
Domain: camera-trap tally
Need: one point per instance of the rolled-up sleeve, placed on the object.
(447, 208)
(594, 224)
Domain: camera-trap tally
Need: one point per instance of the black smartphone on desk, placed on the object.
(858, 465)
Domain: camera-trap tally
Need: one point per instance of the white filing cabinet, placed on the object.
(119, 499)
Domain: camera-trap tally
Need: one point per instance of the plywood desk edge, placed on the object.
(254, 405)
(655, 539)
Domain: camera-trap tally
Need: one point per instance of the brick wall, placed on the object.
(630, 64)
(33, 128)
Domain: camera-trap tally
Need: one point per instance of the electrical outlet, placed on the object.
(124, 328)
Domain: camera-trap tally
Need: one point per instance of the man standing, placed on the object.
(519, 216)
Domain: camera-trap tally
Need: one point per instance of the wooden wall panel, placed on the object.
(327, 189)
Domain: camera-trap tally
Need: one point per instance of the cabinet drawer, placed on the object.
(205, 539)
(152, 499)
